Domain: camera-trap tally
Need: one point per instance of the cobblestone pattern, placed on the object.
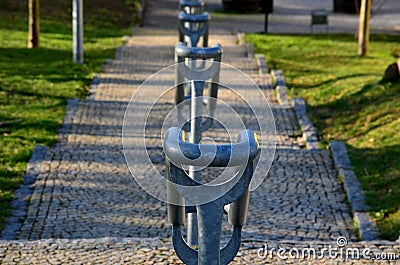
(20, 204)
(85, 207)
(300, 199)
(76, 193)
(160, 251)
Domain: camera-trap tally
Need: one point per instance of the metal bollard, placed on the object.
(193, 27)
(191, 6)
(179, 152)
(184, 72)
(195, 91)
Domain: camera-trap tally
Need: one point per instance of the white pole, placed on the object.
(77, 30)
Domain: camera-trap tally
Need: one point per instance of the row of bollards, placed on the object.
(197, 70)
(194, 25)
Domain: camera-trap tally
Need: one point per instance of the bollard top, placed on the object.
(181, 50)
(180, 152)
(194, 18)
(191, 3)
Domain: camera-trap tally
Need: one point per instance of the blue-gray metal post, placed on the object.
(192, 27)
(77, 30)
(195, 137)
(179, 152)
(196, 89)
(210, 225)
(196, 111)
(191, 6)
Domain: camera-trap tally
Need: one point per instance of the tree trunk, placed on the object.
(363, 28)
(34, 28)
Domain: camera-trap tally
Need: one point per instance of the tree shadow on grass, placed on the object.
(378, 100)
(378, 170)
(33, 66)
(37, 55)
(329, 81)
(369, 114)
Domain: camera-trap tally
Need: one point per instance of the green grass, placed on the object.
(349, 100)
(36, 83)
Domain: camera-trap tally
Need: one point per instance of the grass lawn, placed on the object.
(348, 100)
(36, 83)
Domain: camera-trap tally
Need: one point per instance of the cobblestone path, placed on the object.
(87, 209)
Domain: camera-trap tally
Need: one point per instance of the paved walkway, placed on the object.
(86, 208)
(294, 17)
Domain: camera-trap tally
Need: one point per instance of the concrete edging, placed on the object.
(280, 86)
(93, 86)
(25, 191)
(240, 38)
(310, 135)
(308, 130)
(22, 194)
(250, 50)
(71, 108)
(118, 49)
(366, 226)
(262, 64)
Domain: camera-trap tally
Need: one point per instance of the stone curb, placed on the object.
(240, 38)
(248, 46)
(118, 50)
(22, 194)
(262, 64)
(106, 64)
(280, 86)
(309, 133)
(366, 226)
(70, 110)
(93, 86)
(250, 50)
(133, 33)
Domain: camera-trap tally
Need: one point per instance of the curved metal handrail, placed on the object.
(180, 152)
(194, 18)
(194, 26)
(188, 3)
(214, 52)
